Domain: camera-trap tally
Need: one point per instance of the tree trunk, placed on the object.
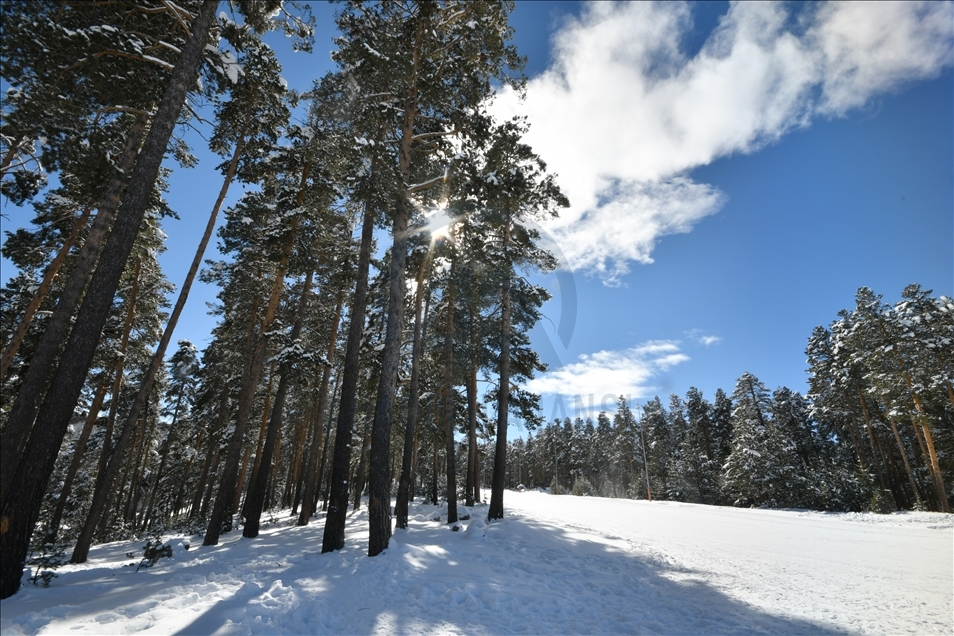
(180, 490)
(101, 488)
(362, 469)
(294, 482)
(223, 509)
(875, 459)
(323, 462)
(19, 424)
(410, 431)
(78, 453)
(142, 463)
(163, 456)
(478, 478)
(933, 465)
(110, 469)
(261, 434)
(414, 473)
(379, 500)
(271, 475)
(449, 428)
(503, 401)
(470, 488)
(257, 487)
(313, 466)
(210, 491)
(437, 462)
(227, 522)
(904, 454)
(935, 469)
(333, 536)
(211, 458)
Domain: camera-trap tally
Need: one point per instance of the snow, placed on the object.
(555, 564)
(164, 64)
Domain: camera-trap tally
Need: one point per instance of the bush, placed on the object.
(47, 554)
(582, 486)
(152, 552)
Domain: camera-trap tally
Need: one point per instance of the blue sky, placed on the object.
(735, 174)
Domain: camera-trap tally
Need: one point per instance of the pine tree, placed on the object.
(20, 509)
(699, 450)
(658, 440)
(762, 469)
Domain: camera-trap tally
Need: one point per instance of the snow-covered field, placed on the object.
(554, 565)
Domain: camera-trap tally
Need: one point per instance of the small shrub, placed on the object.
(582, 487)
(47, 554)
(152, 553)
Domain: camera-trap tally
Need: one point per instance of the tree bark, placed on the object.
(117, 386)
(362, 468)
(496, 510)
(935, 469)
(163, 456)
(210, 457)
(437, 461)
(379, 500)
(379, 495)
(223, 508)
(876, 460)
(312, 468)
(142, 462)
(263, 429)
(470, 489)
(904, 454)
(449, 428)
(238, 488)
(322, 463)
(78, 452)
(293, 484)
(180, 490)
(19, 424)
(333, 537)
(257, 487)
(410, 431)
(110, 469)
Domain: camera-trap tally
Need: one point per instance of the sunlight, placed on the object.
(438, 223)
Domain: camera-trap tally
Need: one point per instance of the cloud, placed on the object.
(871, 49)
(626, 372)
(702, 338)
(623, 113)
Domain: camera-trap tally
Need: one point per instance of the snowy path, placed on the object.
(555, 565)
(890, 574)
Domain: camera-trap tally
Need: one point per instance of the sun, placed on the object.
(438, 224)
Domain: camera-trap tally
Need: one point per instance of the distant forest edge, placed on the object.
(875, 432)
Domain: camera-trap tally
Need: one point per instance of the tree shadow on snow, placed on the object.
(515, 576)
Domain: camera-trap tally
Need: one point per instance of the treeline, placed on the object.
(875, 431)
(334, 370)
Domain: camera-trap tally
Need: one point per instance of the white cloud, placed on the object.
(869, 49)
(699, 336)
(603, 373)
(623, 114)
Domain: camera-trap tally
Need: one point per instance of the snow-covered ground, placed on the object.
(554, 565)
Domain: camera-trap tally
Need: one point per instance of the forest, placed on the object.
(376, 294)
